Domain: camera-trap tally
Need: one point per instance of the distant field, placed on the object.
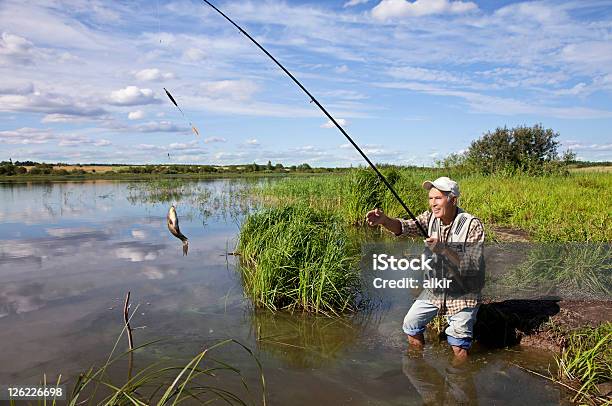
(593, 169)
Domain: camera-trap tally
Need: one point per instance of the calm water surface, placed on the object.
(70, 251)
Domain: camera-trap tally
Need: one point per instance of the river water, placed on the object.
(70, 251)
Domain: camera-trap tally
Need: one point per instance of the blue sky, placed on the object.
(82, 80)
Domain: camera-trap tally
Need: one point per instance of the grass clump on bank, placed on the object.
(586, 362)
(296, 257)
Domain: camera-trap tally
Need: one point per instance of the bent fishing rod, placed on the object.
(315, 101)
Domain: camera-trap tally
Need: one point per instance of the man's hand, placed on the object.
(376, 217)
(440, 248)
(435, 245)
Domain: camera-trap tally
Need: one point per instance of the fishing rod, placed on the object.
(315, 101)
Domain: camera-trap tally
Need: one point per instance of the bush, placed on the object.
(7, 169)
(531, 150)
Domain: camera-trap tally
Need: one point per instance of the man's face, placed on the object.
(440, 204)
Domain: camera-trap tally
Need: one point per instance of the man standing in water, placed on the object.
(457, 237)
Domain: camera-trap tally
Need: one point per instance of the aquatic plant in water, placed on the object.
(296, 257)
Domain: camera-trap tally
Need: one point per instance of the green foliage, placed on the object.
(554, 208)
(368, 191)
(522, 149)
(582, 270)
(586, 361)
(296, 257)
(198, 381)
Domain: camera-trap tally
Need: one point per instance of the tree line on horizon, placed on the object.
(529, 150)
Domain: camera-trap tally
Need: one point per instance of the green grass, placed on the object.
(298, 258)
(587, 361)
(551, 208)
(580, 270)
(201, 380)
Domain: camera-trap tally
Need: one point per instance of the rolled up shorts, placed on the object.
(459, 332)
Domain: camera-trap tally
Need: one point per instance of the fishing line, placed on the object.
(158, 22)
(315, 101)
(193, 127)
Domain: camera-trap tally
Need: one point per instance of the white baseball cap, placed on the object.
(443, 184)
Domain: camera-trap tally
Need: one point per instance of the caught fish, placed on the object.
(173, 226)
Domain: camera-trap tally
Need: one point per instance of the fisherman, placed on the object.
(449, 227)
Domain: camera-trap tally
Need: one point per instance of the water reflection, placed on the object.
(301, 340)
(454, 385)
(20, 298)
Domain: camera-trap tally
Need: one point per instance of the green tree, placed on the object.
(520, 149)
(304, 167)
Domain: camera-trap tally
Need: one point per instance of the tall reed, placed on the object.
(297, 257)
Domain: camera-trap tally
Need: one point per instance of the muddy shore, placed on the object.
(542, 324)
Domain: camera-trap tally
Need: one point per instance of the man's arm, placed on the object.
(395, 225)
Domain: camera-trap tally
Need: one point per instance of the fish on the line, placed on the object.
(173, 226)
(193, 127)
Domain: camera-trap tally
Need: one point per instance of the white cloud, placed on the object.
(352, 3)
(194, 55)
(239, 90)
(388, 9)
(15, 49)
(136, 253)
(136, 115)
(330, 124)
(146, 75)
(26, 135)
(597, 53)
(41, 101)
(483, 103)
(230, 157)
(424, 75)
(139, 234)
(211, 140)
(102, 143)
(184, 146)
(580, 146)
(79, 141)
(252, 142)
(160, 126)
(132, 96)
(341, 69)
(17, 88)
(69, 232)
